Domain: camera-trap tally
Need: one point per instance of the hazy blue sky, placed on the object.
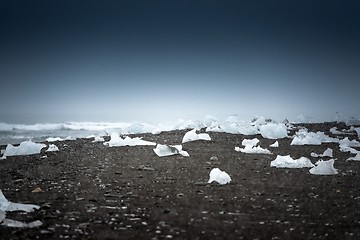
(162, 60)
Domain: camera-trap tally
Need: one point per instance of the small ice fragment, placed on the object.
(219, 176)
(193, 136)
(250, 142)
(52, 148)
(324, 168)
(288, 162)
(54, 139)
(98, 139)
(6, 205)
(117, 141)
(168, 150)
(275, 144)
(14, 223)
(327, 153)
(356, 158)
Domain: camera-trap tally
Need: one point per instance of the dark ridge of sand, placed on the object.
(91, 191)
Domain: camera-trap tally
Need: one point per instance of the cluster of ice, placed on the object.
(289, 162)
(303, 137)
(233, 125)
(25, 148)
(52, 148)
(327, 153)
(168, 150)
(8, 206)
(219, 176)
(250, 147)
(324, 168)
(193, 136)
(117, 141)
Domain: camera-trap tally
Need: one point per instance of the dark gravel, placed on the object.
(91, 191)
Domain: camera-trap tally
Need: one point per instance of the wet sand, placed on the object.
(90, 191)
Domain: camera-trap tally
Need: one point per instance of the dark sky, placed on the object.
(156, 60)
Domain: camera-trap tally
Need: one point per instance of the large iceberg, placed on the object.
(289, 162)
(193, 136)
(117, 141)
(324, 168)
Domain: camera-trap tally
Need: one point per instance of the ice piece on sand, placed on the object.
(168, 150)
(324, 168)
(117, 141)
(14, 223)
(250, 142)
(98, 139)
(273, 130)
(52, 148)
(25, 148)
(327, 153)
(193, 136)
(357, 131)
(219, 176)
(54, 139)
(347, 143)
(303, 137)
(289, 162)
(250, 147)
(275, 144)
(356, 158)
(6, 205)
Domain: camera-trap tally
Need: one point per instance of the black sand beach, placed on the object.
(90, 191)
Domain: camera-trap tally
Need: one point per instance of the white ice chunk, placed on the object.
(275, 144)
(273, 130)
(2, 215)
(219, 176)
(25, 148)
(117, 141)
(250, 147)
(52, 148)
(14, 223)
(193, 136)
(327, 153)
(254, 150)
(54, 139)
(356, 158)
(168, 150)
(289, 162)
(347, 143)
(98, 139)
(303, 137)
(6, 205)
(357, 131)
(324, 168)
(250, 142)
